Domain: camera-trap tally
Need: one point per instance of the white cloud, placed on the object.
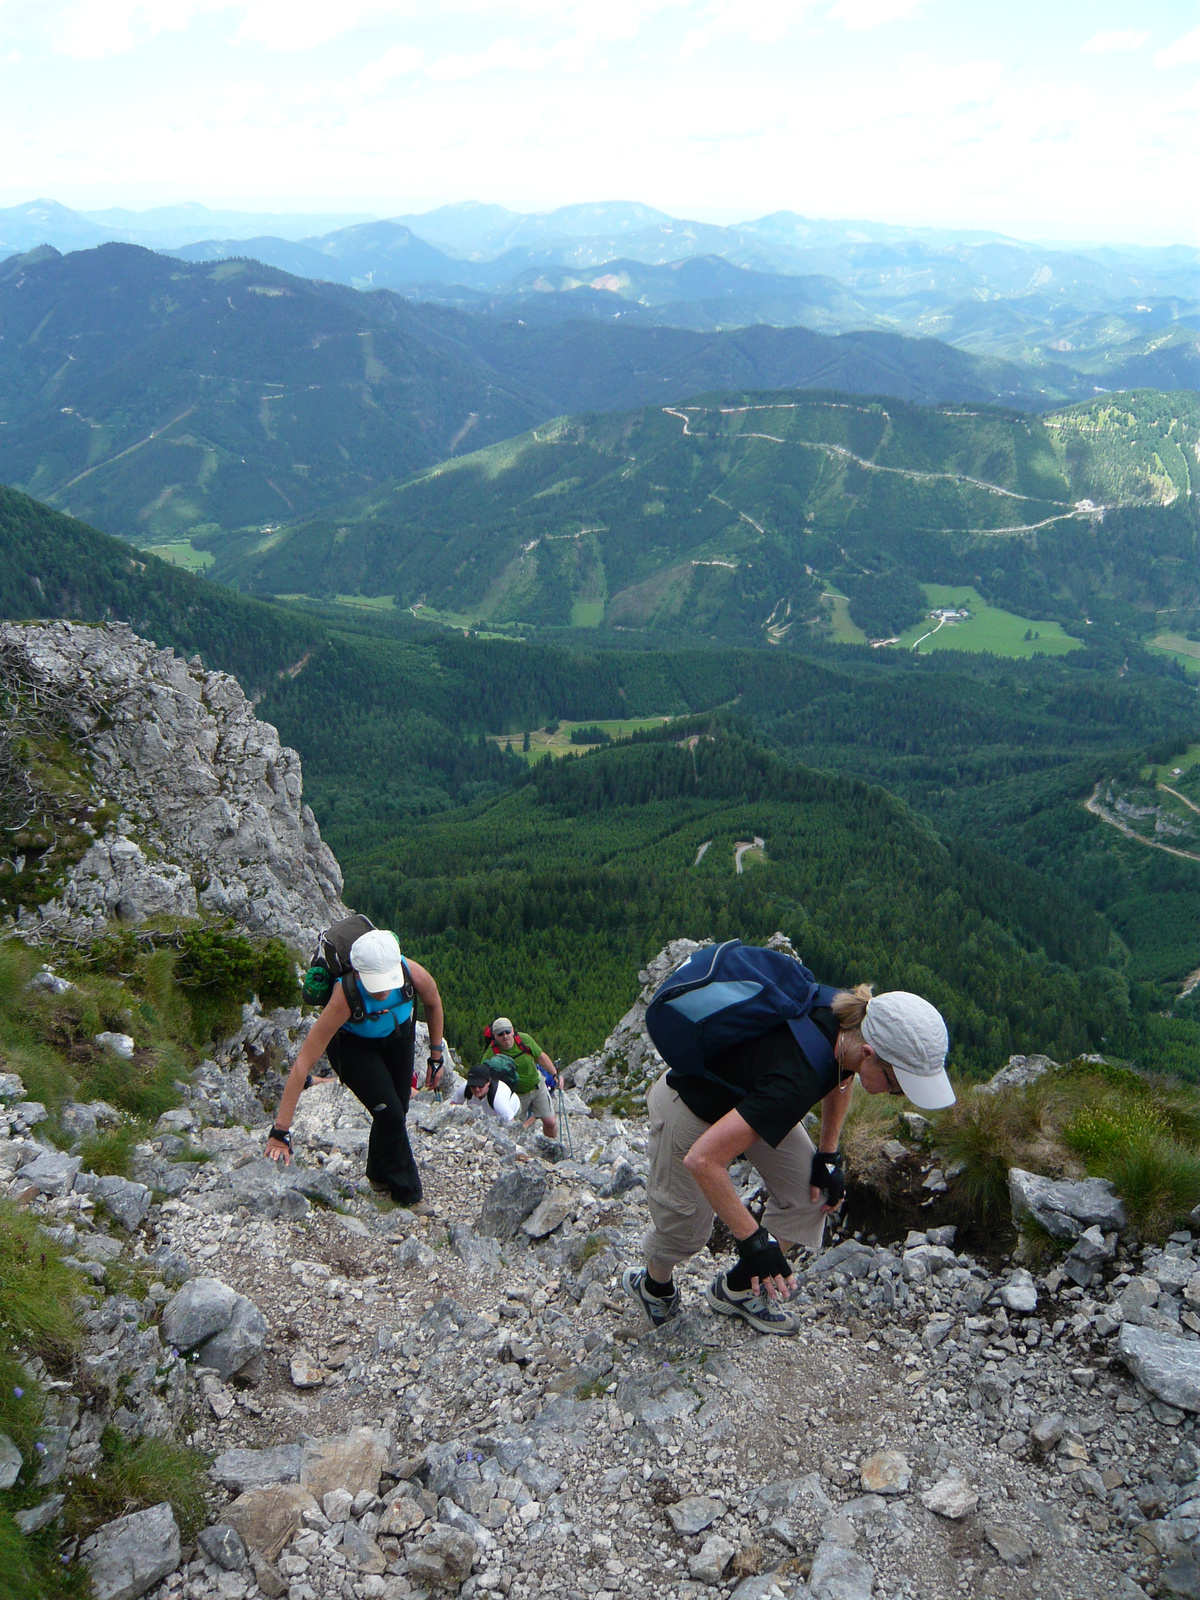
(401, 61)
(862, 15)
(1184, 52)
(1113, 41)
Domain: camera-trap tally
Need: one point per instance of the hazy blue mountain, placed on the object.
(166, 227)
(38, 222)
(371, 255)
(158, 398)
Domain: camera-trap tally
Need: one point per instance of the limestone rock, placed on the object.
(1019, 1071)
(11, 1462)
(1087, 1255)
(839, 1573)
(304, 1371)
(34, 1518)
(550, 1214)
(217, 797)
(443, 1558)
(1065, 1208)
(53, 1173)
(121, 1044)
(239, 1343)
(130, 1555)
(695, 1513)
(268, 1518)
(362, 1550)
(708, 1565)
(223, 1544)
(1013, 1548)
(255, 1469)
(885, 1472)
(1169, 1367)
(201, 1308)
(352, 1461)
(951, 1498)
(1019, 1294)
(127, 1203)
(515, 1195)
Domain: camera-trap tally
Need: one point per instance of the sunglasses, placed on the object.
(503, 1033)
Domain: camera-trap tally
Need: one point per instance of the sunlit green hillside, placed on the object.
(730, 517)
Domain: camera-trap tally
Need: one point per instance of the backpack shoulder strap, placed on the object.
(354, 999)
(407, 989)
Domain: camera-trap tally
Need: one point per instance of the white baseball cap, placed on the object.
(503, 1025)
(375, 956)
(910, 1035)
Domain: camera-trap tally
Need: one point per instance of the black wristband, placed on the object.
(282, 1135)
(828, 1175)
(758, 1240)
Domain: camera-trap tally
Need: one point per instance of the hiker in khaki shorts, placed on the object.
(892, 1043)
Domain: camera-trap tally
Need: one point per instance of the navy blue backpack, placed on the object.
(727, 993)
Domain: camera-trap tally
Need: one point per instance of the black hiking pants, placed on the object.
(379, 1073)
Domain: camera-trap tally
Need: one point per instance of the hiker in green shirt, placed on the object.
(535, 1072)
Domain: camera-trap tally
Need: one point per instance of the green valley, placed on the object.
(750, 518)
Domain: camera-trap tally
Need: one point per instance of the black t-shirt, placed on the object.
(772, 1083)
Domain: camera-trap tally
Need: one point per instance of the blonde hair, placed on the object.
(849, 1006)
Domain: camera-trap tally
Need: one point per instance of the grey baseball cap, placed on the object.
(910, 1035)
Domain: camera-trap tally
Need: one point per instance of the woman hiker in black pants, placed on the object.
(374, 1059)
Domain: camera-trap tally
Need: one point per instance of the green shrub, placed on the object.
(1102, 1132)
(145, 1473)
(221, 969)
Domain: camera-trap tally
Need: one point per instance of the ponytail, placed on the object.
(849, 1006)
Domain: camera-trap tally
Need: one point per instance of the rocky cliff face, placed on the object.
(199, 803)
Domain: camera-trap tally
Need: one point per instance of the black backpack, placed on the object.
(330, 964)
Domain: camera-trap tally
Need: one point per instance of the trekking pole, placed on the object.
(564, 1119)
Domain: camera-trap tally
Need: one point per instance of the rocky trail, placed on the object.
(392, 1405)
(398, 1404)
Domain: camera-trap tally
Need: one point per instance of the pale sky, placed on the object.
(1058, 119)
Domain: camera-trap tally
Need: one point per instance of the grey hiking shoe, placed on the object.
(761, 1313)
(633, 1281)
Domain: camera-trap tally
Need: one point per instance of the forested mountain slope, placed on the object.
(538, 902)
(55, 566)
(730, 516)
(157, 397)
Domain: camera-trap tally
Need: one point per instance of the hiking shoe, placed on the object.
(633, 1281)
(419, 1208)
(380, 1188)
(760, 1312)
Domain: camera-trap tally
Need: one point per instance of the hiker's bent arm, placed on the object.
(545, 1061)
(322, 1031)
(709, 1160)
(427, 992)
(833, 1116)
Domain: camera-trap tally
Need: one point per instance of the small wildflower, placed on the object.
(40, 1448)
(20, 1393)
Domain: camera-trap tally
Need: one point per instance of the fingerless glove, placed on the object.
(761, 1257)
(828, 1174)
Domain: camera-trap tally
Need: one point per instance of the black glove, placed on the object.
(828, 1174)
(761, 1257)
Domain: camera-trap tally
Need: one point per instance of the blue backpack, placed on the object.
(728, 993)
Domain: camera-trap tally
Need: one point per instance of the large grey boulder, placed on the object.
(273, 1190)
(127, 1203)
(1065, 1207)
(243, 1469)
(130, 1555)
(515, 1195)
(1169, 1367)
(53, 1172)
(202, 1308)
(444, 1557)
(221, 826)
(239, 1343)
(840, 1574)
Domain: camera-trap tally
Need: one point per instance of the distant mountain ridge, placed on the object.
(1103, 312)
(157, 398)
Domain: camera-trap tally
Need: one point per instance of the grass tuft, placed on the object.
(987, 1133)
(37, 1292)
(133, 1475)
(110, 1154)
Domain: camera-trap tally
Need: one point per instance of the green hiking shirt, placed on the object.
(524, 1058)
